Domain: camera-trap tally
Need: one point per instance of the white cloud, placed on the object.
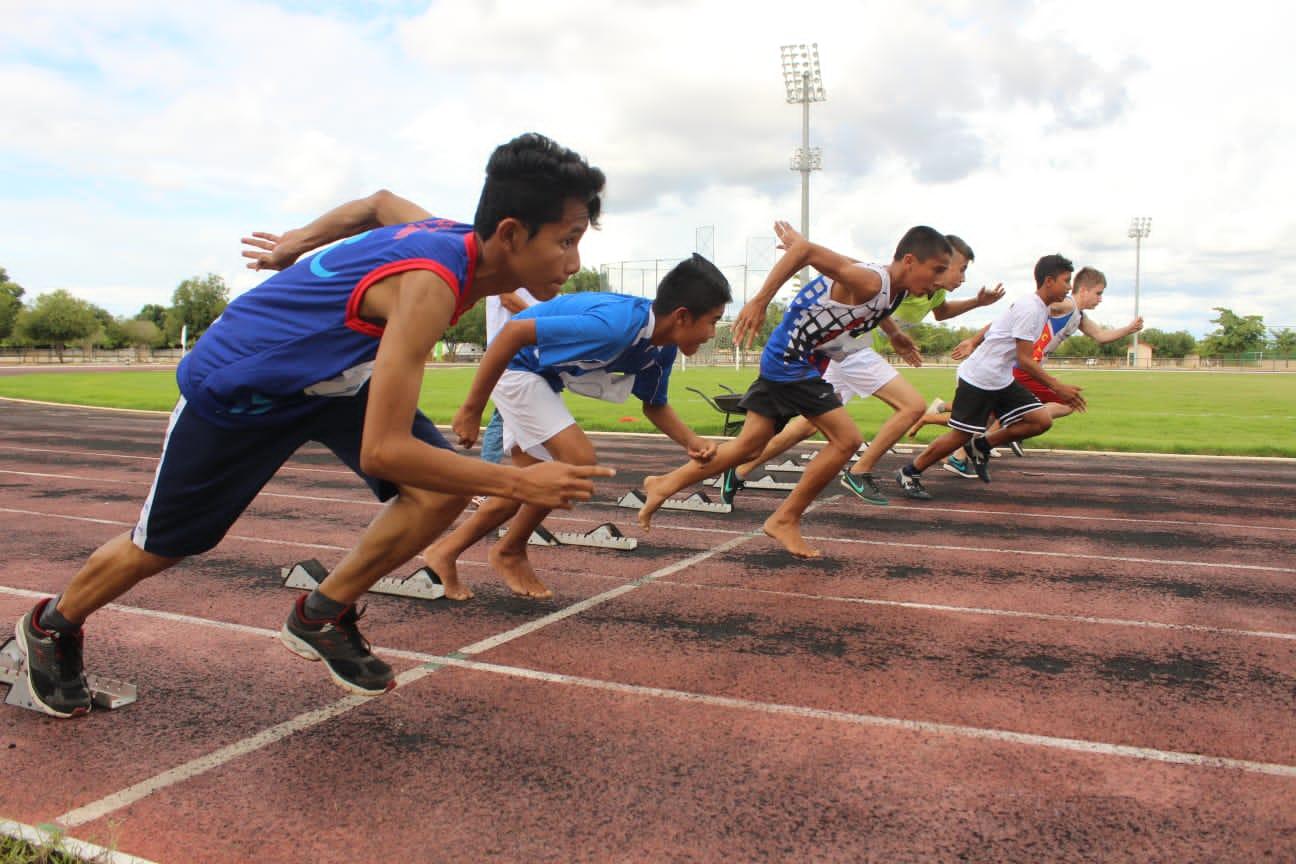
(146, 137)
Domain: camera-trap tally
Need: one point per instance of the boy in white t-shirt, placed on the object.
(499, 309)
(986, 384)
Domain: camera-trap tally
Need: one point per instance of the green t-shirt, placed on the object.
(910, 311)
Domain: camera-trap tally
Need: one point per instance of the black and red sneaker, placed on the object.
(339, 644)
(55, 673)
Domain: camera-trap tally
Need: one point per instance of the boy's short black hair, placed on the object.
(960, 246)
(923, 243)
(694, 284)
(1087, 276)
(1051, 265)
(530, 179)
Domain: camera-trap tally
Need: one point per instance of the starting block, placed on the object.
(767, 483)
(787, 466)
(605, 536)
(422, 584)
(106, 693)
(696, 503)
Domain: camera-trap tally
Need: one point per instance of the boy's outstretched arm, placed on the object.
(952, 308)
(1103, 335)
(665, 419)
(968, 345)
(512, 337)
(416, 306)
(900, 341)
(1026, 362)
(275, 252)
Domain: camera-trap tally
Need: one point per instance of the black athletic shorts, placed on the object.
(973, 406)
(783, 400)
(209, 474)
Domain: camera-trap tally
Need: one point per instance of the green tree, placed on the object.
(153, 312)
(142, 334)
(56, 319)
(109, 334)
(196, 303)
(10, 304)
(1180, 343)
(583, 280)
(1079, 345)
(1284, 342)
(471, 327)
(773, 315)
(1235, 334)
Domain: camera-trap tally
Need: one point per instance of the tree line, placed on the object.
(59, 319)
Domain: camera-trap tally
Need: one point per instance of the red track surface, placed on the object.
(1093, 658)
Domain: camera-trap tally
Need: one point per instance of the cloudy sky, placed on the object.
(142, 137)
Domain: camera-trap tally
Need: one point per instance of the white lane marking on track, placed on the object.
(1038, 552)
(83, 851)
(432, 662)
(154, 458)
(301, 544)
(122, 798)
(938, 509)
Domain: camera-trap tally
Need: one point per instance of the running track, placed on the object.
(1091, 659)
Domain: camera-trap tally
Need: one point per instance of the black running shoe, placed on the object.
(729, 485)
(55, 674)
(865, 487)
(339, 644)
(911, 486)
(979, 461)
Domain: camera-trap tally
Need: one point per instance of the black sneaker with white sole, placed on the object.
(339, 644)
(978, 460)
(55, 673)
(912, 487)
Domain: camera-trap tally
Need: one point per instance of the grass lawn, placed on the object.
(1169, 412)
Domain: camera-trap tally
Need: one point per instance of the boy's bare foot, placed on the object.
(444, 567)
(789, 534)
(655, 495)
(518, 573)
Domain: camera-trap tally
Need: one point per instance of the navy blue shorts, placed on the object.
(209, 474)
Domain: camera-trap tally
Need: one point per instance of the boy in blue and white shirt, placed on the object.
(829, 319)
(606, 346)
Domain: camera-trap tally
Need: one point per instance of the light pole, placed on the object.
(804, 85)
(1140, 227)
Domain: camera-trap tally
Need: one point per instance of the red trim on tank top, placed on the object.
(358, 324)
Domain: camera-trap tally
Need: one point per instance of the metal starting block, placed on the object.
(696, 503)
(787, 466)
(422, 584)
(106, 693)
(767, 483)
(605, 536)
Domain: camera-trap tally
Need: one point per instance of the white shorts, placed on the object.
(861, 374)
(532, 412)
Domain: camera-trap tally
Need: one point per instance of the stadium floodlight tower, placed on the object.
(804, 85)
(1140, 227)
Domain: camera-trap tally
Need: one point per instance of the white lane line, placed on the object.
(217, 758)
(43, 838)
(432, 662)
(998, 551)
(154, 458)
(195, 767)
(1003, 736)
(1001, 613)
(299, 544)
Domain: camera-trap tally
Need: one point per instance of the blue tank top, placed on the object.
(298, 338)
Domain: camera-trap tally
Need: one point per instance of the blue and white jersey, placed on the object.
(298, 337)
(598, 345)
(816, 328)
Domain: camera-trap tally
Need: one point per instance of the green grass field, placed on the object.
(1169, 412)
